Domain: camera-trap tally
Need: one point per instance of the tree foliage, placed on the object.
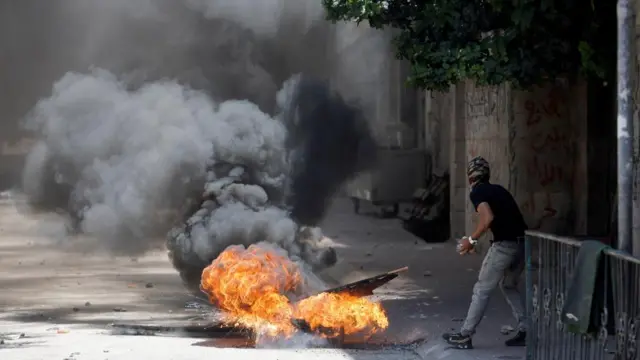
(524, 42)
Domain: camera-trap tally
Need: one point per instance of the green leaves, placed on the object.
(356, 10)
(522, 16)
(524, 42)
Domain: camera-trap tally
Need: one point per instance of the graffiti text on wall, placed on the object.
(550, 141)
(550, 156)
(481, 101)
(481, 107)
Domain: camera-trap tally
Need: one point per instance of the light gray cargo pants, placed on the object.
(502, 266)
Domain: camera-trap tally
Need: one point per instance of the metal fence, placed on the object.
(550, 266)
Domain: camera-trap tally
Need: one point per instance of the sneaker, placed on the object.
(520, 339)
(458, 340)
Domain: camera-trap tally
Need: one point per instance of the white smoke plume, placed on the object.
(188, 134)
(129, 154)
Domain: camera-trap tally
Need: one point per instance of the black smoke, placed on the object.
(331, 143)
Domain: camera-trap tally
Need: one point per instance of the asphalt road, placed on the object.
(57, 303)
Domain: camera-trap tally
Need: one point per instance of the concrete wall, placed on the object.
(549, 170)
(536, 144)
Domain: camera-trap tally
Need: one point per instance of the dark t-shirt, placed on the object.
(508, 223)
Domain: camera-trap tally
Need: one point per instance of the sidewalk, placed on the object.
(48, 294)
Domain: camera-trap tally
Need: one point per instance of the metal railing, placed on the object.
(550, 266)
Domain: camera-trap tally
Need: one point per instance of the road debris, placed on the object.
(366, 286)
(506, 329)
(9, 337)
(72, 356)
(196, 305)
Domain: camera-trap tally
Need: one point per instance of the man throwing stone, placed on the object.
(504, 262)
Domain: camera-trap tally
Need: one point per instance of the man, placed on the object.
(504, 262)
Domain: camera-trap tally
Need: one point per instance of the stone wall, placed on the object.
(534, 140)
(486, 133)
(439, 109)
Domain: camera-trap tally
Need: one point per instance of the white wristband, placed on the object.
(472, 241)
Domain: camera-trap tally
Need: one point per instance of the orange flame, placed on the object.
(250, 287)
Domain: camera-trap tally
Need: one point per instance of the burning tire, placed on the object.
(236, 210)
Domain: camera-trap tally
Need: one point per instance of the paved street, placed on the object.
(58, 305)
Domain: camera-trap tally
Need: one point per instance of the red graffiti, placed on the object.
(552, 147)
(548, 174)
(551, 107)
(555, 139)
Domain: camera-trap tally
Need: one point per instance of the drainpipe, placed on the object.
(626, 29)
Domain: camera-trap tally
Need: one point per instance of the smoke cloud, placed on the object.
(330, 142)
(265, 17)
(210, 120)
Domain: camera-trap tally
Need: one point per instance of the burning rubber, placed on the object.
(255, 315)
(261, 289)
